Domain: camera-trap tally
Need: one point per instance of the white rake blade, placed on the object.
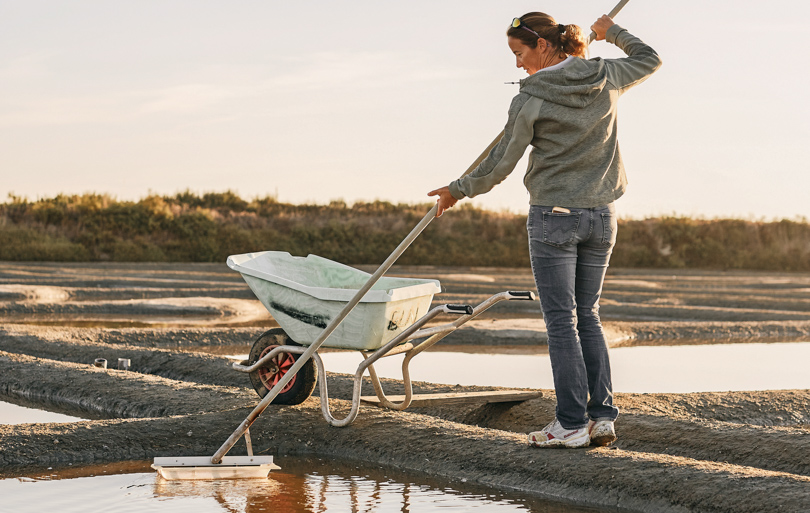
(200, 467)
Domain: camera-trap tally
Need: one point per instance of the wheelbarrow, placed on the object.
(312, 298)
(305, 294)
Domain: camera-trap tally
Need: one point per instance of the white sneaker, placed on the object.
(601, 432)
(554, 435)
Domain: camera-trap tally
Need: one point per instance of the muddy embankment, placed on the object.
(700, 452)
(732, 451)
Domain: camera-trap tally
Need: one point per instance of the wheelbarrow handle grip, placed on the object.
(526, 295)
(459, 309)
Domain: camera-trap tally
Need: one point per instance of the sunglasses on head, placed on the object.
(518, 23)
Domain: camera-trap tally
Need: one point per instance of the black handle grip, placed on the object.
(460, 309)
(525, 295)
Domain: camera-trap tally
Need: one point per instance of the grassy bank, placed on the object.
(208, 228)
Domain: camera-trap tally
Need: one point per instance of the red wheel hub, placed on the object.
(282, 362)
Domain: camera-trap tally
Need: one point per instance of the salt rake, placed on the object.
(243, 467)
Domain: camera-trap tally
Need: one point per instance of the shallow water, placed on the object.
(14, 414)
(303, 484)
(642, 369)
(114, 321)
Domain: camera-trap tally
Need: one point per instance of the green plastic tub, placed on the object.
(305, 294)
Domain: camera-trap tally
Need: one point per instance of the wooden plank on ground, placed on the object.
(489, 396)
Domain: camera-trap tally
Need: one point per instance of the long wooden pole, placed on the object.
(334, 323)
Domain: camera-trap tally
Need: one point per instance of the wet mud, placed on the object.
(733, 451)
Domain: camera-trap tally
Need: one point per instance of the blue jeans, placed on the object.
(569, 254)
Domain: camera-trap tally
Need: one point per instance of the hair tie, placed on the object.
(561, 28)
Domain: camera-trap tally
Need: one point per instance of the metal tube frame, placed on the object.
(396, 345)
(434, 335)
(385, 350)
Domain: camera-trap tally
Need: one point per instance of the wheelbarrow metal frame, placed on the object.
(397, 345)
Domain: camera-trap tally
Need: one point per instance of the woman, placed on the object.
(566, 110)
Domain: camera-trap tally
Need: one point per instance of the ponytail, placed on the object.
(572, 41)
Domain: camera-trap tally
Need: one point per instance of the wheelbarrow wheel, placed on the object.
(264, 378)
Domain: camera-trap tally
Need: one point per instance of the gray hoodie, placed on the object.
(568, 115)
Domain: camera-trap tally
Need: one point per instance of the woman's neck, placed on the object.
(555, 56)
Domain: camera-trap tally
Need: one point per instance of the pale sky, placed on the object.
(322, 100)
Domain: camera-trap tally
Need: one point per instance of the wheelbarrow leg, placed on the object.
(437, 334)
(406, 376)
(369, 360)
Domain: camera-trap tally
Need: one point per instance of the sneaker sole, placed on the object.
(602, 438)
(567, 444)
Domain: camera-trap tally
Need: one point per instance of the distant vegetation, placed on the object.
(191, 228)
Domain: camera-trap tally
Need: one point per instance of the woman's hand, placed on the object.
(601, 26)
(445, 201)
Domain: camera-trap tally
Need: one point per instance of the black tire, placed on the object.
(263, 378)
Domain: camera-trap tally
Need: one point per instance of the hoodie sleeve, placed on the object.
(641, 61)
(517, 136)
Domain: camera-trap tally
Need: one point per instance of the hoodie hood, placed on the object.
(568, 115)
(576, 85)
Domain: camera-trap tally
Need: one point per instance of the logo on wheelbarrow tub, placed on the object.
(402, 318)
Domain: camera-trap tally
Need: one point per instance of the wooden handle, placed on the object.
(482, 156)
(612, 13)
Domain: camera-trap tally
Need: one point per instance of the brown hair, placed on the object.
(568, 38)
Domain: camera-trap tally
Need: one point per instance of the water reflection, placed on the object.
(14, 414)
(248, 496)
(641, 369)
(114, 321)
(303, 484)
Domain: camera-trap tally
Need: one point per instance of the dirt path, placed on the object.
(195, 419)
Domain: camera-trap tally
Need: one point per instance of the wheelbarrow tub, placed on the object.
(305, 293)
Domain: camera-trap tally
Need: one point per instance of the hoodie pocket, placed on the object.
(560, 229)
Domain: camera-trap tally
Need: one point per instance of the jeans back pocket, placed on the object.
(560, 229)
(609, 228)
